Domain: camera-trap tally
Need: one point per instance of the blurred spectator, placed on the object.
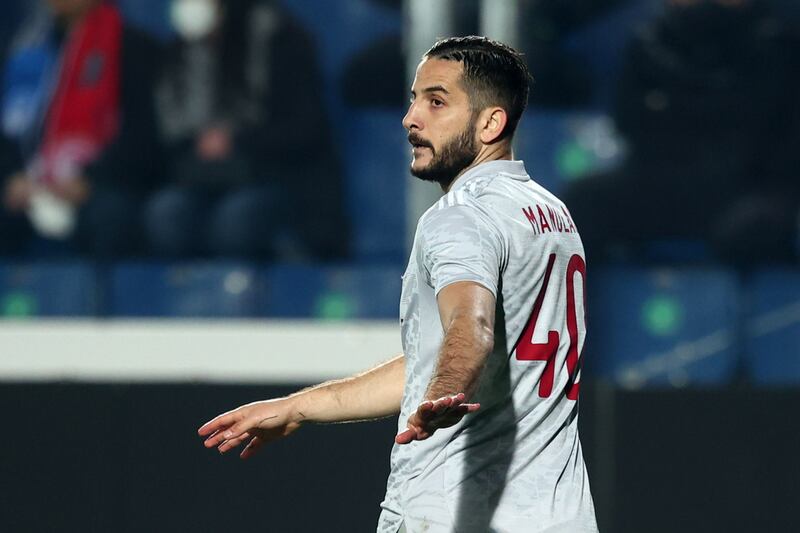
(77, 150)
(251, 165)
(702, 101)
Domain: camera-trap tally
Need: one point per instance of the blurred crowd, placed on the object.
(213, 144)
(707, 102)
(217, 142)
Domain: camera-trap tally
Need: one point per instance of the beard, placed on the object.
(455, 155)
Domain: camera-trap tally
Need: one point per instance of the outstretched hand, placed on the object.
(432, 415)
(258, 423)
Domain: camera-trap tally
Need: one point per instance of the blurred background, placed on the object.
(207, 202)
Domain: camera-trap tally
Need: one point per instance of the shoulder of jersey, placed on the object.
(463, 195)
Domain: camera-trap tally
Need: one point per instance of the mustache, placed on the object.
(415, 139)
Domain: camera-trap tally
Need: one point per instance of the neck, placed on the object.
(490, 152)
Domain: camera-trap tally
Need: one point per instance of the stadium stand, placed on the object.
(773, 327)
(663, 327)
(355, 292)
(190, 290)
(48, 290)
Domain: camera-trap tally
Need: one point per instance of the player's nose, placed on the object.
(412, 120)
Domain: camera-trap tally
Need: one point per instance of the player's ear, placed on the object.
(492, 122)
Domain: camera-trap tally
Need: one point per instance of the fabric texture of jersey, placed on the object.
(516, 464)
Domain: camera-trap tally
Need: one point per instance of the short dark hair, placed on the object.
(494, 74)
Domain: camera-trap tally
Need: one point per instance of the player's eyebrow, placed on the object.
(433, 89)
(436, 89)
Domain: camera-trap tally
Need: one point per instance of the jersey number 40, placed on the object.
(527, 350)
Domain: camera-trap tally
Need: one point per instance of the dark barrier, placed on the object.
(125, 458)
(695, 461)
(117, 458)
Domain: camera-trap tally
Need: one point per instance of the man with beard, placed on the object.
(487, 437)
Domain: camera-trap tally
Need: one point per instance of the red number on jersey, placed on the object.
(576, 264)
(527, 350)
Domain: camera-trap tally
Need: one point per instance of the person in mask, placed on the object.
(252, 172)
(701, 101)
(77, 148)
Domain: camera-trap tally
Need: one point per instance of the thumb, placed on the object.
(404, 437)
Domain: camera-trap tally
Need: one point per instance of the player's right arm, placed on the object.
(376, 393)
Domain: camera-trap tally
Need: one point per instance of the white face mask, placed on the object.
(51, 216)
(193, 19)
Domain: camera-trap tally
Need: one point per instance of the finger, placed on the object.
(471, 407)
(425, 410)
(441, 405)
(455, 414)
(225, 432)
(215, 439)
(457, 399)
(223, 420)
(212, 436)
(465, 408)
(252, 447)
(439, 409)
(409, 435)
(239, 428)
(404, 437)
(233, 443)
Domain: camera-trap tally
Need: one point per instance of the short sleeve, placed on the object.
(459, 244)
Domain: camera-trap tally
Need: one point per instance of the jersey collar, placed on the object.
(512, 169)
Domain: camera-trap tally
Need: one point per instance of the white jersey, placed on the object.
(514, 466)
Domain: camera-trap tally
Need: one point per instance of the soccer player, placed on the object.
(492, 320)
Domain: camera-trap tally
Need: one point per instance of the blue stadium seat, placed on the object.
(211, 290)
(47, 290)
(341, 292)
(662, 327)
(377, 177)
(773, 327)
(561, 146)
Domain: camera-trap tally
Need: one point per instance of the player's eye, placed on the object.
(435, 102)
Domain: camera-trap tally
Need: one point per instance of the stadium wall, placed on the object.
(234, 351)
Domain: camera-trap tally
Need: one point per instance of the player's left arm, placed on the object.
(467, 312)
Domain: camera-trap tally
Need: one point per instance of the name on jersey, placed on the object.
(549, 219)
